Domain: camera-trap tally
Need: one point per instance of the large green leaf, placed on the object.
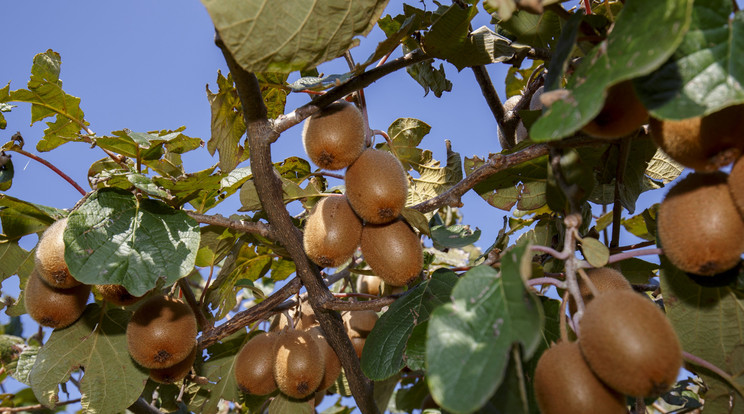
(115, 238)
(434, 179)
(98, 343)
(469, 340)
(385, 347)
(523, 185)
(709, 322)
(14, 259)
(703, 74)
(644, 36)
(48, 99)
(19, 218)
(536, 30)
(300, 34)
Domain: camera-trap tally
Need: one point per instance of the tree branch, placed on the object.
(261, 133)
(259, 228)
(142, 407)
(489, 92)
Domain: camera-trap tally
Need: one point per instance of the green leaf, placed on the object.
(145, 184)
(505, 189)
(450, 38)
(469, 340)
(219, 368)
(47, 99)
(637, 271)
(25, 364)
(700, 77)
(202, 189)
(302, 34)
(14, 259)
(595, 252)
(406, 134)
(417, 220)
(562, 51)
(6, 168)
(384, 349)
(20, 218)
(709, 322)
(536, 30)
(434, 179)
(430, 78)
(214, 245)
(416, 348)
(112, 381)
(284, 405)
(644, 36)
(456, 236)
(273, 92)
(115, 238)
(228, 125)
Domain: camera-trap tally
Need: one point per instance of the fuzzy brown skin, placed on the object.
(332, 232)
(629, 344)
(54, 307)
(393, 251)
(332, 363)
(176, 372)
(359, 323)
(604, 279)
(334, 137)
(254, 364)
(622, 113)
(50, 257)
(376, 186)
(564, 384)
(299, 365)
(699, 226)
(704, 144)
(371, 285)
(358, 344)
(117, 294)
(161, 333)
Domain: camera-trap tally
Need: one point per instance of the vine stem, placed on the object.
(696, 360)
(50, 166)
(547, 280)
(634, 253)
(35, 407)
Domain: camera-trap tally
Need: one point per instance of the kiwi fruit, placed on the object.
(332, 232)
(376, 186)
(298, 365)
(117, 294)
(50, 257)
(604, 279)
(334, 137)
(51, 306)
(332, 364)
(702, 143)
(162, 332)
(393, 251)
(358, 344)
(629, 344)
(521, 132)
(564, 384)
(369, 284)
(254, 364)
(359, 323)
(699, 226)
(622, 113)
(176, 372)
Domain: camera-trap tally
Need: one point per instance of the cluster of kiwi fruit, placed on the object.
(700, 221)
(297, 360)
(161, 334)
(626, 347)
(369, 213)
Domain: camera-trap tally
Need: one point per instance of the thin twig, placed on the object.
(632, 246)
(35, 407)
(50, 166)
(696, 360)
(617, 209)
(259, 228)
(547, 281)
(634, 253)
(490, 94)
(188, 294)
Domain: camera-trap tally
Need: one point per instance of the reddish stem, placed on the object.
(588, 6)
(50, 166)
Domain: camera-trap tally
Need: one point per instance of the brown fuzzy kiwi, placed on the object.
(334, 137)
(299, 365)
(369, 284)
(604, 279)
(176, 372)
(358, 344)
(332, 232)
(50, 257)
(702, 143)
(162, 332)
(53, 307)
(699, 226)
(622, 113)
(629, 344)
(117, 294)
(332, 363)
(376, 186)
(254, 365)
(521, 132)
(393, 251)
(564, 384)
(359, 323)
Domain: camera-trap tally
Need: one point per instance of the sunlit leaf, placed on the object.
(228, 125)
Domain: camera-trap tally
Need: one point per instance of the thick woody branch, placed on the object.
(284, 122)
(259, 228)
(490, 94)
(261, 134)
